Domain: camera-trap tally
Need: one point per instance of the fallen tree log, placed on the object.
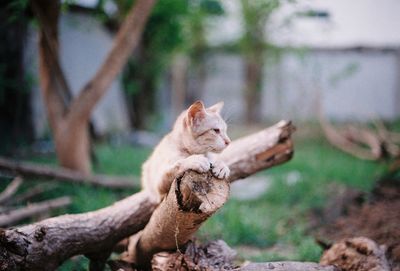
(358, 253)
(215, 256)
(286, 266)
(46, 244)
(191, 200)
(194, 197)
(31, 170)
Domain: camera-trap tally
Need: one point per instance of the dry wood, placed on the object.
(10, 189)
(46, 244)
(267, 148)
(214, 256)
(195, 197)
(340, 141)
(363, 142)
(191, 200)
(11, 217)
(359, 253)
(286, 266)
(31, 170)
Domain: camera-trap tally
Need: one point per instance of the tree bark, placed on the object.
(192, 198)
(31, 170)
(69, 124)
(45, 245)
(254, 65)
(286, 266)
(195, 197)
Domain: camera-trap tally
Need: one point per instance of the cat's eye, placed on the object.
(217, 130)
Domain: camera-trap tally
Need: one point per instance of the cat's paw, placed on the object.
(220, 170)
(198, 163)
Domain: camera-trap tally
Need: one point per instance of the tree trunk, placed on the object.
(69, 122)
(45, 245)
(72, 143)
(253, 83)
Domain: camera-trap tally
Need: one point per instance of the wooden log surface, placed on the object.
(286, 266)
(192, 199)
(46, 244)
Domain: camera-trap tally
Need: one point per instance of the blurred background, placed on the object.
(311, 61)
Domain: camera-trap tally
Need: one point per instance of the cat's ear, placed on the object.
(216, 107)
(196, 111)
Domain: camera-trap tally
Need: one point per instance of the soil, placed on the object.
(375, 215)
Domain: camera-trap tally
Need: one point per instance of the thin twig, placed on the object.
(32, 170)
(33, 209)
(10, 189)
(31, 193)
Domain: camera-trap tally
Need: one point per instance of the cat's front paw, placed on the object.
(198, 163)
(220, 170)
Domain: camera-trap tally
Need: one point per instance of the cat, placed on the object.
(197, 135)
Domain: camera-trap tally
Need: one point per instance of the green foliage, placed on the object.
(16, 10)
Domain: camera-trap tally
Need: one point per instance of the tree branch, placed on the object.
(10, 189)
(125, 41)
(63, 237)
(48, 12)
(16, 215)
(29, 194)
(32, 170)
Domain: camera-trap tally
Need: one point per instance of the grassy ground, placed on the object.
(271, 227)
(276, 223)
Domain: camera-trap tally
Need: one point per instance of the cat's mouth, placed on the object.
(219, 150)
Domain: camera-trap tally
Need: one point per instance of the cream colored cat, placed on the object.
(197, 134)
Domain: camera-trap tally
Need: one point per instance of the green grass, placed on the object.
(277, 219)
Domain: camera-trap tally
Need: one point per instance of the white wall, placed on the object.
(352, 85)
(351, 23)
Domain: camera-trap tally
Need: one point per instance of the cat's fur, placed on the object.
(197, 133)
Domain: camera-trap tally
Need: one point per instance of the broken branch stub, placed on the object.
(258, 151)
(192, 198)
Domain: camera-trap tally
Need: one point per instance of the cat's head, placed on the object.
(206, 128)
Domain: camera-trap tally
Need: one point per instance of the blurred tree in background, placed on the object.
(69, 116)
(174, 27)
(255, 16)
